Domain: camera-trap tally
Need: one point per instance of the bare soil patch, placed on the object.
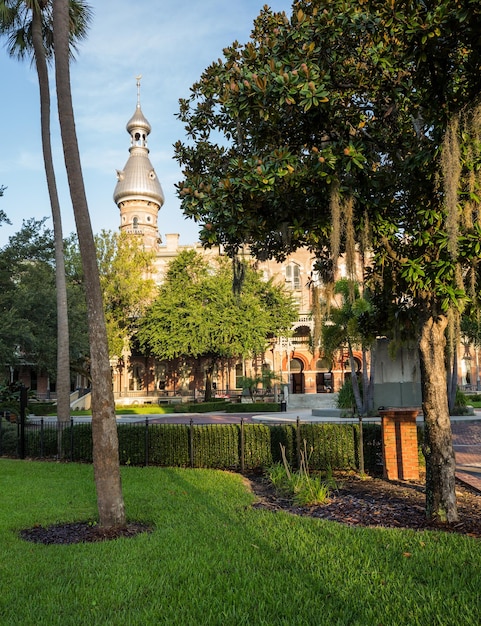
(375, 502)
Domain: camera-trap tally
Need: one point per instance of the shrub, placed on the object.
(8, 438)
(304, 489)
(216, 446)
(211, 446)
(42, 408)
(169, 445)
(345, 396)
(257, 446)
(201, 407)
(331, 445)
(253, 407)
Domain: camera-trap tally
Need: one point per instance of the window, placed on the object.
(239, 373)
(136, 376)
(293, 276)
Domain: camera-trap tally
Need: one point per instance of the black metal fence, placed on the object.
(243, 446)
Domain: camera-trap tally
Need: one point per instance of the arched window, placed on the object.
(135, 222)
(239, 373)
(293, 276)
(136, 377)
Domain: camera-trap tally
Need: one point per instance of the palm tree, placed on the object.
(28, 27)
(344, 329)
(104, 427)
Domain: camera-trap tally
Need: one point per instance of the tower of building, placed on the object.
(138, 192)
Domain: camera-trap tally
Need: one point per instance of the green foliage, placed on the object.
(8, 438)
(264, 380)
(348, 99)
(283, 436)
(253, 407)
(461, 399)
(345, 396)
(330, 446)
(123, 267)
(77, 443)
(42, 408)
(257, 446)
(196, 314)
(28, 301)
(169, 445)
(201, 407)
(216, 446)
(304, 488)
(371, 436)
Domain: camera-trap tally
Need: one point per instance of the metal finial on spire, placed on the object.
(138, 79)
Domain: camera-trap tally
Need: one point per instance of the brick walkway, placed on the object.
(467, 448)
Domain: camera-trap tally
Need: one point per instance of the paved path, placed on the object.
(467, 448)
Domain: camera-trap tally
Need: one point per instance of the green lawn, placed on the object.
(214, 560)
(146, 409)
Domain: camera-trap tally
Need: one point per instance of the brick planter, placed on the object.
(400, 444)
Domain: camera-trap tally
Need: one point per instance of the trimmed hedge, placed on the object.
(253, 407)
(201, 407)
(223, 446)
(228, 407)
(215, 446)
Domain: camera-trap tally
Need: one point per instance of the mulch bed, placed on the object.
(371, 502)
(81, 532)
(375, 502)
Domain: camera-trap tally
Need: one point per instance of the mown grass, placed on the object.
(147, 409)
(212, 559)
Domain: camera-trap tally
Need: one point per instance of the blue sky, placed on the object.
(169, 45)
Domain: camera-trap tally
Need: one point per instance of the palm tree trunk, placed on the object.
(438, 444)
(104, 428)
(354, 380)
(63, 351)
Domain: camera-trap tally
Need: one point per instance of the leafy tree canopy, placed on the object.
(125, 269)
(327, 127)
(349, 127)
(196, 314)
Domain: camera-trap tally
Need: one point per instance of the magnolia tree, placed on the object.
(350, 128)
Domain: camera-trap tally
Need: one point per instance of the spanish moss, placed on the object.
(451, 168)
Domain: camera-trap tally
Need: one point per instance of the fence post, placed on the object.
(361, 447)
(71, 439)
(298, 441)
(23, 407)
(242, 445)
(41, 437)
(146, 442)
(191, 442)
(1, 435)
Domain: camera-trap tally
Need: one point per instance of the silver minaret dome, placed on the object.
(138, 179)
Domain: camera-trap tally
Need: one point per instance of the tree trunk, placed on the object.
(452, 381)
(63, 350)
(355, 380)
(438, 445)
(369, 403)
(208, 383)
(104, 428)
